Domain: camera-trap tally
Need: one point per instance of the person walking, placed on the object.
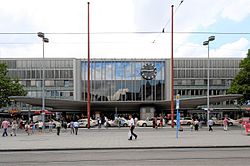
(131, 128)
(105, 122)
(210, 124)
(33, 127)
(225, 124)
(196, 125)
(14, 126)
(161, 121)
(58, 127)
(71, 125)
(50, 125)
(5, 125)
(27, 128)
(40, 126)
(76, 126)
(99, 122)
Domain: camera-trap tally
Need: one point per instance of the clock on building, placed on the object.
(148, 71)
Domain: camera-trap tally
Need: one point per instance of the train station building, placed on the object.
(139, 86)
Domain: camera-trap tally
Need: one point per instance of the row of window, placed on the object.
(198, 92)
(120, 70)
(202, 73)
(200, 82)
(202, 63)
(52, 94)
(48, 83)
(124, 90)
(38, 74)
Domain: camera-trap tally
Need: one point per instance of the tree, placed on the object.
(9, 87)
(241, 83)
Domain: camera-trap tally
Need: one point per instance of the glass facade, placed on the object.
(121, 81)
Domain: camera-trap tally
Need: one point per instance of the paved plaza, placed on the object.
(114, 138)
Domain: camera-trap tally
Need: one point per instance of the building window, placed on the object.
(49, 83)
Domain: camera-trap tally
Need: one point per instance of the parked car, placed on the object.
(84, 123)
(183, 121)
(149, 122)
(231, 122)
(46, 123)
(114, 123)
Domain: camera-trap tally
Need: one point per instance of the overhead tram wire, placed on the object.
(163, 29)
(135, 32)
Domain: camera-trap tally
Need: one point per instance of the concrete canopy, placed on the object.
(78, 106)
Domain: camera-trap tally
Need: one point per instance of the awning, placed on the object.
(73, 105)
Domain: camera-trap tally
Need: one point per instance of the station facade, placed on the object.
(124, 80)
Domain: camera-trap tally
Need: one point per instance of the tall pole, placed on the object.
(172, 66)
(45, 40)
(43, 91)
(88, 104)
(206, 43)
(208, 68)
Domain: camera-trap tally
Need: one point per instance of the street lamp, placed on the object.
(206, 43)
(45, 40)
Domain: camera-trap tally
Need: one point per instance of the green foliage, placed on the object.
(241, 83)
(8, 87)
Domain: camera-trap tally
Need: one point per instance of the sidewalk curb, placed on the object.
(124, 148)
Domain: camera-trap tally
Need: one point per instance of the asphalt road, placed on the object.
(209, 156)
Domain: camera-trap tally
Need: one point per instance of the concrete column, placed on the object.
(77, 71)
(167, 80)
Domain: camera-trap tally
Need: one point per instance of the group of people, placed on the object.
(74, 125)
(14, 126)
(198, 124)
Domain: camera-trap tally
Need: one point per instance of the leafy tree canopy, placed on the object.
(8, 87)
(241, 83)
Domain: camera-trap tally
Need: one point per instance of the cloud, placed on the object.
(235, 49)
(236, 10)
(111, 16)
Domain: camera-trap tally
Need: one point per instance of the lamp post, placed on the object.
(45, 40)
(206, 43)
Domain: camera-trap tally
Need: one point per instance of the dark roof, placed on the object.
(72, 105)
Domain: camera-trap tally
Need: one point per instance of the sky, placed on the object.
(124, 28)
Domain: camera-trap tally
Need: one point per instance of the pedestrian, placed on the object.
(14, 126)
(225, 124)
(40, 126)
(210, 124)
(192, 126)
(196, 125)
(27, 128)
(131, 128)
(76, 126)
(99, 122)
(155, 122)
(50, 125)
(21, 124)
(105, 122)
(58, 127)
(72, 131)
(33, 127)
(5, 125)
(161, 121)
